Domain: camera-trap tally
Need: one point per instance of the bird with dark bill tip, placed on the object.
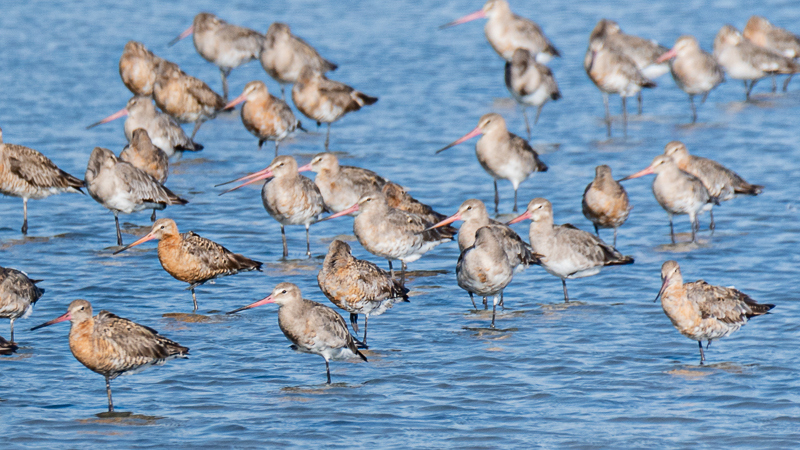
(164, 131)
(324, 100)
(142, 154)
(566, 251)
(284, 56)
(225, 45)
(265, 116)
(358, 286)
(137, 68)
(393, 233)
(503, 155)
(507, 32)
(310, 326)
(530, 83)
(26, 173)
(341, 186)
(694, 70)
(113, 346)
(18, 294)
(290, 198)
(122, 188)
(746, 61)
(721, 182)
(605, 202)
(677, 192)
(484, 268)
(761, 32)
(193, 259)
(184, 97)
(703, 312)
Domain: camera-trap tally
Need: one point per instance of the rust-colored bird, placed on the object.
(18, 294)
(266, 116)
(137, 68)
(761, 32)
(502, 154)
(122, 188)
(341, 186)
(310, 326)
(26, 173)
(324, 100)
(163, 130)
(530, 83)
(605, 202)
(191, 258)
(113, 346)
(703, 312)
(507, 32)
(358, 286)
(285, 55)
(184, 97)
(145, 156)
(225, 45)
(484, 268)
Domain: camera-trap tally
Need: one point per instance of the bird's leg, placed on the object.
(196, 127)
(596, 230)
(515, 199)
(24, 216)
(695, 227)
(608, 114)
(308, 243)
(108, 391)
(391, 270)
(564, 284)
(705, 96)
(328, 370)
(702, 355)
(639, 100)
(786, 83)
(624, 117)
(283, 92)
(774, 83)
(496, 198)
(671, 230)
(502, 304)
(261, 144)
(403, 273)
(119, 234)
(354, 321)
(285, 247)
(694, 110)
(225, 73)
(153, 216)
(276, 148)
(473, 301)
(366, 318)
(527, 123)
(615, 238)
(711, 226)
(328, 137)
(194, 301)
(494, 309)
(536, 120)
(485, 304)
(12, 331)
(708, 344)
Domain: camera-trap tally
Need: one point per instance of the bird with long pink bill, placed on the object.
(163, 130)
(184, 97)
(694, 70)
(392, 233)
(502, 154)
(193, 259)
(225, 45)
(290, 198)
(677, 192)
(112, 346)
(18, 295)
(267, 117)
(704, 312)
(507, 32)
(137, 68)
(567, 252)
(311, 327)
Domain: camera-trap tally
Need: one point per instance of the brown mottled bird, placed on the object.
(311, 327)
(358, 286)
(341, 186)
(530, 83)
(138, 67)
(266, 116)
(185, 97)
(26, 173)
(703, 312)
(398, 198)
(18, 294)
(694, 70)
(605, 202)
(761, 32)
(484, 268)
(324, 100)
(146, 157)
(113, 346)
(191, 258)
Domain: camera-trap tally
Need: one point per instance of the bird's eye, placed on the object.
(82, 308)
(283, 291)
(469, 207)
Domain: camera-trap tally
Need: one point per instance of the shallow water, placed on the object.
(608, 370)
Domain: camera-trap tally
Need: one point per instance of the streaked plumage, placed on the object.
(530, 83)
(18, 294)
(284, 56)
(266, 116)
(145, 156)
(341, 186)
(185, 98)
(398, 198)
(703, 312)
(137, 68)
(113, 346)
(605, 202)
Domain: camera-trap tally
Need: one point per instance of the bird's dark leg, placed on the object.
(366, 319)
(119, 234)
(485, 304)
(354, 321)
(695, 228)
(391, 270)
(108, 391)
(285, 247)
(308, 243)
(624, 117)
(196, 127)
(276, 148)
(225, 73)
(527, 124)
(283, 92)
(596, 230)
(328, 370)
(194, 301)
(12, 331)
(328, 137)
(536, 120)
(496, 198)
(25, 216)
(702, 355)
(502, 304)
(708, 344)
(473, 301)
(403, 273)
(712, 226)
(694, 110)
(153, 216)
(774, 83)
(608, 114)
(515, 199)
(671, 230)
(494, 309)
(564, 284)
(639, 100)
(786, 83)
(615, 238)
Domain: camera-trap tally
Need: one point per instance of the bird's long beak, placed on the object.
(253, 305)
(466, 137)
(188, 32)
(663, 288)
(448, 221)
(468, 18)
(345, 212)
(523, 216)
(667, 56)
(252, 178)
(121, 113)
(64, 317)
(235, 101)
(148, 237)
(641, 173)
(304, 168)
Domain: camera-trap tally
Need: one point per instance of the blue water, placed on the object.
(607, 372)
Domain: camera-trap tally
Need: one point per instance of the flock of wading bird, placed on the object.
(388, 222)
